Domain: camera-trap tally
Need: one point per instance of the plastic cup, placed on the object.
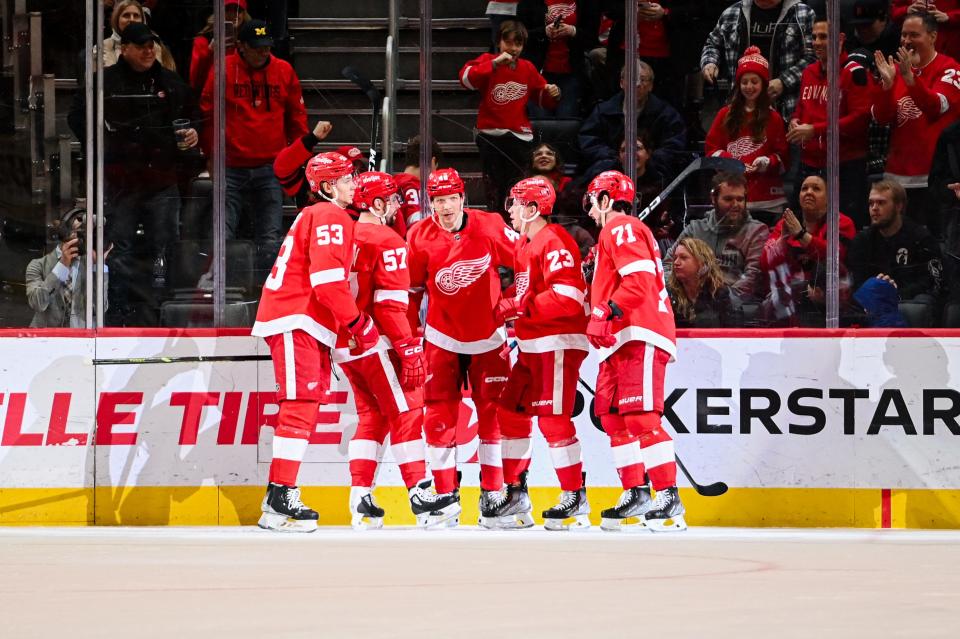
(180, 130)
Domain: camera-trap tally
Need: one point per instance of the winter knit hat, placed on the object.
(753, 62)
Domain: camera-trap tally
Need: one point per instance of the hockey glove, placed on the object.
(412, 374)
(510, 308)
(600, 328)
(365, 334)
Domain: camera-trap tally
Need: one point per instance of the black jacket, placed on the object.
(911, 258)
(140, 148)
(602, 130)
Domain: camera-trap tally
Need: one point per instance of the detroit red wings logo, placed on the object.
(522, 282)
(462, 274)
(907, 110)
(508, 92)
(560, 10)
(742, 147)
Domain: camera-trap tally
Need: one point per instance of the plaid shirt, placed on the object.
(791, 50)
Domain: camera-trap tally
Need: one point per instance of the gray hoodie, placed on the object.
(737, 249)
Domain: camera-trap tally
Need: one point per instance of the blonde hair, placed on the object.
(710, 276)
(119, 8)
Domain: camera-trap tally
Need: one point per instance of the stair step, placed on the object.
(379, 9)
(303, 24)
(326, 62)
(453, 125)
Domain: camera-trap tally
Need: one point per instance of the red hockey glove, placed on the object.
(510, 308)
(600, 328)
(365, 334)
(412, 373)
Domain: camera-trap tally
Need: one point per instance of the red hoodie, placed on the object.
(264, 111)
(506, 92)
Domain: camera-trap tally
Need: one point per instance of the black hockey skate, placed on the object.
(431, 509)
(490, 502)
(632, 505)
(666, 511)
(283, 511)
(365, 513)
(573, 506)
(513, 512)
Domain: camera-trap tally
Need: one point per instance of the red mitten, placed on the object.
(412, 373)
(365, 334)
(600, 328)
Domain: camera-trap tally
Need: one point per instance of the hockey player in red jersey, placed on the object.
(306, 302)
(455, 256)
(549, 318)
(388, 379)
(631, 323)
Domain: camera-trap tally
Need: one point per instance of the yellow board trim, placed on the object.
(240, 505)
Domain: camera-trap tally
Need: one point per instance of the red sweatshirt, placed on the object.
(506, 92)
(763, 188)
(854, 114)
(265, 111)
(918, 115)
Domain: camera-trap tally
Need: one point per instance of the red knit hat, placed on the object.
(753, 62)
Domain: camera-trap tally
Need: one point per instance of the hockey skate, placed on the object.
(431, 509)
(629, 511)
(283, 511)
(666, 511)
(513, 513)
(490, 502)
(573, 506)
(365, 514)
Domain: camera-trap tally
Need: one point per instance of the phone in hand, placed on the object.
(557, 22)
(229, 34)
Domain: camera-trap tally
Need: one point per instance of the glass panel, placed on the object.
(42, 180)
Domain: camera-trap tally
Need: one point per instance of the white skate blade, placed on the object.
(448, 517)
(363, 522)
(517, 522)
(280, 523)
(674, 524)
(580, 522)
(628, 524)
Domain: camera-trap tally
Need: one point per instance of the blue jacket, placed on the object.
(882, 304)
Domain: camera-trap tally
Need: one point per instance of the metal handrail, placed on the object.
(386, 131)
(388, 116)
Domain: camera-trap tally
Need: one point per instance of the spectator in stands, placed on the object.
(601, 132)
(546, 161)
(945, 193)
(750, 130)
(500, 11)
(781, 29)
(124, 13)
(808, 127)
(920, 97)
(141, 164)
(649, 185)
(898, 247)
(408, 182)
(264, 114)
(794, 257)
(945, 12)
(290, 165)
(504, 135)
(201, 60)
(568, 30)
(698, 293)
(56, 283)
(735, 238)
(870, 29)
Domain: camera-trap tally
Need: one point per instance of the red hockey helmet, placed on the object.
(327, 167)
(533, 190)
(444, 182)
(617, 186)
(372, 185)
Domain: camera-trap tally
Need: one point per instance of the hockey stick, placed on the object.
(179, 360)
(707, 163)
(710, 490)
(375, 100)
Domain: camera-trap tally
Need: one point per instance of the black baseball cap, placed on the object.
(864, 12)
(138, 33)
(256, 34)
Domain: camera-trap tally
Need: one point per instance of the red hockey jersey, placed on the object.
(308, 287)
(506, 92)
(629, 272)
(766, 188)
(380, 282)
(459, 271)
(548, 273)
(918, 115)
(409, 188)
